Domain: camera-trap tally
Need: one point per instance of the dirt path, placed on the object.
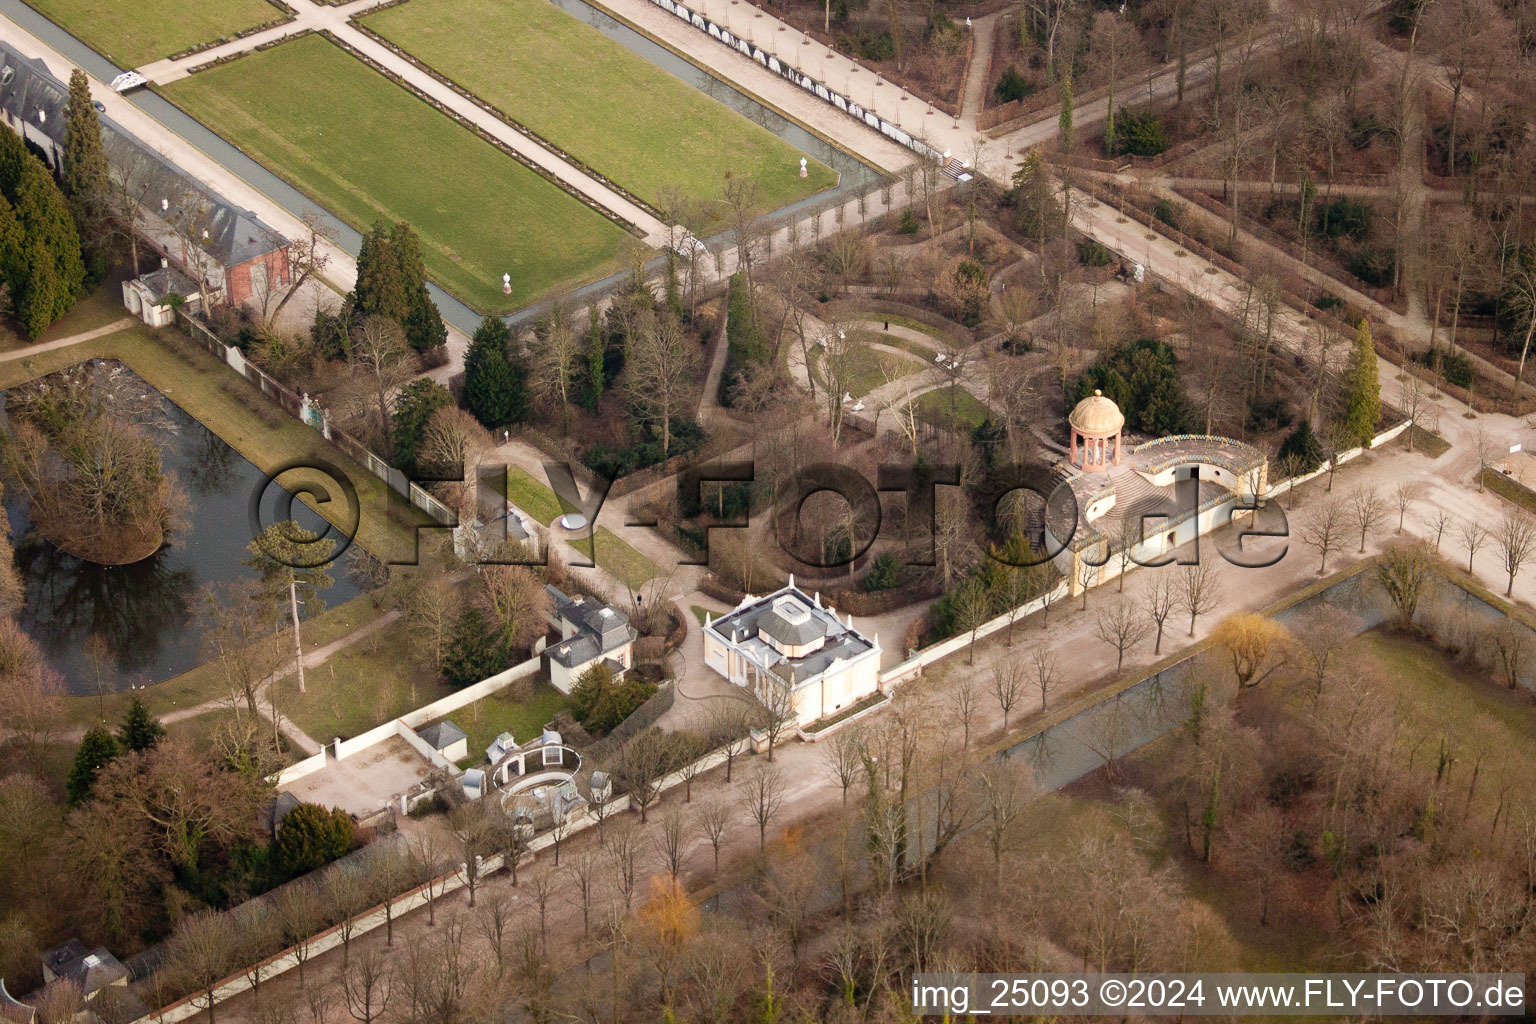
(74, 339)
(984, 30)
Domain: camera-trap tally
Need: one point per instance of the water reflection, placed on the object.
(136, 608)
(145, 612)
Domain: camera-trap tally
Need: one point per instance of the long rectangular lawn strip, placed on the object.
(366, 148)
(615, 110)
(131, 33)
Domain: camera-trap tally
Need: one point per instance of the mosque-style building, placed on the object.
(1155, 496)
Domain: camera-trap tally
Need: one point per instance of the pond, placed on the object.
(148, 612)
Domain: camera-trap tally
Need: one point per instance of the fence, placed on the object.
(784, 69)
(440, 886)
(1319, 261)
(913, 666)
(461, 698)
(639, 720)
(309, 413)
(409, 722)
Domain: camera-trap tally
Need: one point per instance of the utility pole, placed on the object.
(298, 645)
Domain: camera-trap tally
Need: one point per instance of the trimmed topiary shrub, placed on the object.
(1091, 253)
(311, 837)
(1012, 85)
(1343, 218)
(1374, 266)
(1139, 133)
(599, 702)
(884, 573)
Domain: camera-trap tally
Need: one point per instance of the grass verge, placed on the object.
(613, 109)
(951, 402)
(384, 153)
(617, 558)
(1510, 489)
(923, 352)
(531, 496)
(131, 33)
(491, 716)
(1432, 445)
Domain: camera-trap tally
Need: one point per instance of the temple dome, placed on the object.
(1097, 416)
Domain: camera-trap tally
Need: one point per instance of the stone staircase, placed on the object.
(1134, 498)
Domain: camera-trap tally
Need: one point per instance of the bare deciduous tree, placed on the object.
(714, 820)
(1516, 538)
(1197, 591)
(1472, 533)
(763, 793)
(365, 984)
(1159, 601)
(1122, 626)
(844, 764)
(1366, 511)
(202, 953)
(1008, 687)
(659, 369)
(1324, 531)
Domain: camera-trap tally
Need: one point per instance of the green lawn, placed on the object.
(131, 33)
(232, 408)
(360, 688)
(366, 148)
(900, 321)
(869, 368)
(1510, 488)
(934, 407)
(1431, 444)
(206, 682)
(613, 109)
(618, 558)
(491, 716)
(923, 352)
(532, 496)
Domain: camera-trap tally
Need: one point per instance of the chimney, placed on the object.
(164, 263)
(165, 205)
(791, 579)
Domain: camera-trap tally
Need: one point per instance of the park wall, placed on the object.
(409, 722)
(784, 69)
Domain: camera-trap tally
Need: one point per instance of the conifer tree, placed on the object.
(1064, 122)
(494, 392)
(417, 402)
(1363, 405)
(97, 749)
(84, 173)
(423, 324)
(40, 298)
(392, 282)
(39, 245)
(597, 350)
(140, 731)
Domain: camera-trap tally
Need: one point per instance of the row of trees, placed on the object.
(40, 259)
